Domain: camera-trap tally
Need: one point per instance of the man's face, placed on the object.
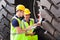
(27, 16)
(21, 13)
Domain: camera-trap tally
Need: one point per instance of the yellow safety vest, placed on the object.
(14, 35)
(25, 25)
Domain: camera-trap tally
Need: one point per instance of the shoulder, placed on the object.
(15, 23)
(14, 20)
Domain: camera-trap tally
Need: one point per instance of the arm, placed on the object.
(16, 26)
(19, 30)
(33, 26)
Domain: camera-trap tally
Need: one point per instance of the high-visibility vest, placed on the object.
(25, 25)
(14, 35)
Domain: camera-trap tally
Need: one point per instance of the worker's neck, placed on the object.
(27, 20)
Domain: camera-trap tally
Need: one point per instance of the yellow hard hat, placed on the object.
(20, 7)
(27, 11)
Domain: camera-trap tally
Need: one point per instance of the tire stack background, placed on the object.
(5, 18)
(52, 23)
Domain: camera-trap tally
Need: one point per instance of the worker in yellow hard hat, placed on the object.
(20, 8)
(28, 23)
(16, 31)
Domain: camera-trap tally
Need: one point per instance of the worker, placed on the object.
(28, 22)
(16, 31)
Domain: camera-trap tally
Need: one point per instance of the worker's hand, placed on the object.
(39, 15)
(19, 30)
(29, 28)
(36, 24)
(40, 18)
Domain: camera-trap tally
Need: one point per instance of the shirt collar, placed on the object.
(16, 16)
(25, 20)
